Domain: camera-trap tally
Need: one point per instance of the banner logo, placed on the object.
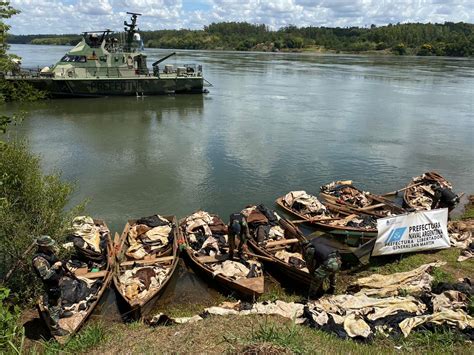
(396, 235)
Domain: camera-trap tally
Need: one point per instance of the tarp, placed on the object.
(421, 230)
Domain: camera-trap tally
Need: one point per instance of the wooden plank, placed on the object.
(148, 262)
(212, 258)
(405, 188)
(256, 284)
(94, 275)
(371, 207)
(282, 242)
(311, 220)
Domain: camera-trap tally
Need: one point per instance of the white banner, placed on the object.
(422, 230)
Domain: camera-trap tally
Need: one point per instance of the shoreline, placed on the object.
(307, 51)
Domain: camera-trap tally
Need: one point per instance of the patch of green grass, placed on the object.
(135, 325)
(276, 292)
(468, 212)
(399, 263)
(440, 275)
(440, 341)
(286, 336)
(190, 309)
(86, 339)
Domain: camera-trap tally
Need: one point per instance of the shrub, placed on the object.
(11, 336)
(31, 204)
(399, 49)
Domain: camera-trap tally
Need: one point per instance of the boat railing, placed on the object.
(24, 73)
(185, 70)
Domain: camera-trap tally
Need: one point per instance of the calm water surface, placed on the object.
(271, 123)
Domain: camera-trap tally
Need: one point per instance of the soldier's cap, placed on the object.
(45, 241)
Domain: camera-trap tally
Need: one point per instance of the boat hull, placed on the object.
(140, 308)
(106, 281)
(248, 288)
(147, 86)
(338, 230)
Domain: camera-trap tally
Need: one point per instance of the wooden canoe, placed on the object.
(105, 274)
(167, 258)
(338, 214)
(248, 288)
(422, 185)
(378, 206)
(293, 241)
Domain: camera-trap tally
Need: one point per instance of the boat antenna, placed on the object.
(130, 29)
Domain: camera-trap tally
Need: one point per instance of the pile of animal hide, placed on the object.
(263, 224)
(312, 208)
(288, 310)
(268, 230)
(415, 282)
(422, 192)
(306, 204)
(207, 236)
(377, 307)
(355, 220)
(461, 236)
(89, 239)
(148, 236)
(237, 269)
(346, 193)
(136, 283)
(77, 295)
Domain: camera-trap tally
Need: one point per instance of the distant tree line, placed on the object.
(64, 39)
(448, 39)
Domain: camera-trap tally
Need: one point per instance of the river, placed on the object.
(271, 123)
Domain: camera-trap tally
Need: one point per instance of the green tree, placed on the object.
(31, 203)
(11, 91)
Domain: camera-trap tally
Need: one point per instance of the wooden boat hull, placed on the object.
(281, 270)
(325, 226)
(43, 312)
(138, 309)
(247, 288)
(378, 208)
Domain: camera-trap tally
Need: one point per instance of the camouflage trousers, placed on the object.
(327, 270)
(232, 240)
(53, 300)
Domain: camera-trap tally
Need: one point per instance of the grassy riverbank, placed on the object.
(271, 334)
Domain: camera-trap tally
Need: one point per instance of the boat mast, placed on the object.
(130, 30)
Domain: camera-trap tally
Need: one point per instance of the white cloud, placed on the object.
(97, 7)
(74, 16)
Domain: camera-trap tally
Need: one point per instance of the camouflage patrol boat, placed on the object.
(105, 63)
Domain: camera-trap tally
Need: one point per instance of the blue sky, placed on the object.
(75, 16)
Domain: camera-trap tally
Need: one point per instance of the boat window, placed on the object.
(74, 58)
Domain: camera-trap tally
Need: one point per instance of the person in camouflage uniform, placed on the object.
(48, 267)
(323, 261)
(238, 227)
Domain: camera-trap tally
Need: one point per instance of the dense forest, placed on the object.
(448, 39)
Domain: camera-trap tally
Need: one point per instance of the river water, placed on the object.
(271, 123)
